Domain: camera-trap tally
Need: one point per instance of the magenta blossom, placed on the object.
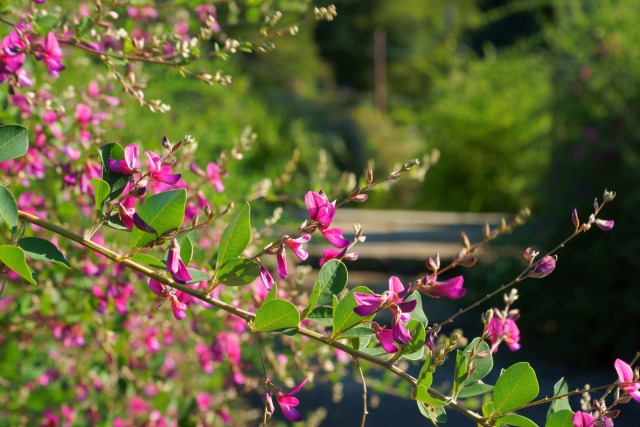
(214, 175)
(334, 236)
(128, 165)
(385, 337)
(369, 304)
(288, 402)
(296, 246)
(51, 55)
(178, 299)
(504, 330)
(604, 224)
(266, 278)
(625, 375)
(452, 288)
(583, 419)
(160, 172)
(329, 254)
(319, 208)
(175, 265)
(543, 268)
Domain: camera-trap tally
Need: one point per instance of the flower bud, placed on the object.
(487, 316)
(464, 240)
(574, 219)
(604, 224)
(543, 268)
(166, 144)
(609, 195)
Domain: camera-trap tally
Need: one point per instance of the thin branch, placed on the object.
(365, 412)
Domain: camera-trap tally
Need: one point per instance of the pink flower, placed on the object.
(543, 268)
(452, 288)
(604, 224)
(51, 55)
(329, 254)
(296, 246)
(582, 419)
(288, 403)
(158, 171)
(128, 165)
(503, 330)
(625, 375)
(175, 265)
(334, 236)
(213, 173)
(266, 278)
(369, 304)
(385, 337)
(319, 208)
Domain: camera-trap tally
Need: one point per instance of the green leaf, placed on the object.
(344, 317)
(482, 365)
(560, 388)
(43, 250)
(238, 272)
(14, 142)
(460, 371)
(515, 420)
(322, 315)
(488, 408)
(148, 261)
(235, 237)
(8, 207)
(560, 418)
(418, 313)
(101, 191)
(14, 258)
(358, 331)
(186, 248)
(516, 386)
(425, 379)
(414, 349)
(116, 181)
(163, 212)
(273, 293)
(197, 276)
(435, 414)
(359, 343)
(474, 390)
(331, 280)
(276, 314)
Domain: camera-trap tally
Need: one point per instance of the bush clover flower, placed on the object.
(178, 299)
(504, 329)
(625, 375)
(583, 419)
(329, 254)
(543, 268)
(369, 304)
(296, 246)
(129, 164)
(175, 265)
(288, 402)
(51, 55)
(158, 170)
(215, 176)
(451, 288)
(320, 209)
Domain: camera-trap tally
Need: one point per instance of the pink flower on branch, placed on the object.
(451, 288)
(129, 164)
(319, 208)
(158, 170)
(583, 419)
(175, 265)
(543, 268)
(503, 330)
(296, 246)
(626, 378)
(288, 402)
(214, 174)
(51, 55)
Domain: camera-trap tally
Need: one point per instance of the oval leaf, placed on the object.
(14, 142)
(238, 272)
(116, 181)
(331, 280)
(515, 420)
(418, 312)
(516, 386)
(276, 314)
(162, 212)
(561, 418)
(414, 349)
(8, 207)
(474, 390)
(560, 388)
(14, 258)
(148, 261)
(43, 250)
(235, 237)
(197, 276)
(344, 318)
(101, 191)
